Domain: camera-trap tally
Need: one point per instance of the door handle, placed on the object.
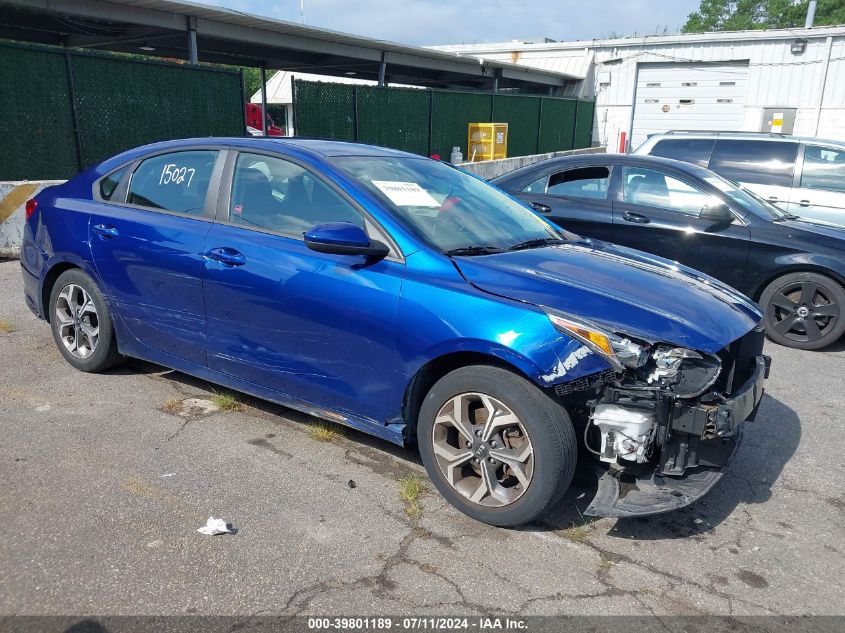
(542, 208)
(805, 203)
(636, 218)
(105, 231)
(226, 256)
(773, 199)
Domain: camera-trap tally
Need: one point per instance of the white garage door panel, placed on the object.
(698, 97)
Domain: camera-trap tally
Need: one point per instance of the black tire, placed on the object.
(804, 310)
(546, 423)
(105, 354)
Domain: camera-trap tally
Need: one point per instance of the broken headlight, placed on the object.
(620, 351)
(684, 372)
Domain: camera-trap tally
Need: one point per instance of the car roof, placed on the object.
(750, 136)
(320, 148)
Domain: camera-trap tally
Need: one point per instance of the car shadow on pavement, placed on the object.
(768, 444)
(365, 443)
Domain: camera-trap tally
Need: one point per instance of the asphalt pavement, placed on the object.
(106, 478)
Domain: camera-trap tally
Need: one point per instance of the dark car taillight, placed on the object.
(31, 205)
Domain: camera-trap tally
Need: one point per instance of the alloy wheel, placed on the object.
(77, 321)
(483, 449)
(804, 311)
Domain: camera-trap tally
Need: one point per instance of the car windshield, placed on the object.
(450, 210)
(748, 200)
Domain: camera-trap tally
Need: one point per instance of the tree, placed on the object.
(739, 15)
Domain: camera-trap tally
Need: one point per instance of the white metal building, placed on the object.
(784, 80)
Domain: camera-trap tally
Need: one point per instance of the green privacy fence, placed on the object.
(62, 111)
(434, 121)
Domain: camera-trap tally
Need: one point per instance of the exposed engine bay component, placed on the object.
(682, 372)
(625, 433)
(630, 353)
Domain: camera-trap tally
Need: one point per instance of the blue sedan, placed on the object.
(405, 298)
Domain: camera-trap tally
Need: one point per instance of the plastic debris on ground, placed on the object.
(214, 526)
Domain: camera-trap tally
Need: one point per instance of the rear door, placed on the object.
(658, 212)
(578, 199)
(821, 191)
(767, 167)
(147, 246)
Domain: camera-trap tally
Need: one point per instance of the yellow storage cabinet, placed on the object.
(487, 141)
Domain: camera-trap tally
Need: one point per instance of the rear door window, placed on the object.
(690, 150)
(177, 182)
(584, 182)
(761, 162)
(824, 168)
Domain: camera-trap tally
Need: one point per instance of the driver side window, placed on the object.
(651, 188)
(277, 195)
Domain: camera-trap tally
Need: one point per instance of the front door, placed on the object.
(147, 248)
(659, 213)
(318, 327)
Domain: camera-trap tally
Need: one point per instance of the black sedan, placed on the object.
(793, 267)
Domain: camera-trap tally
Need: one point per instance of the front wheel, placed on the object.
(496, 447)
(81, 323)
(804, 310)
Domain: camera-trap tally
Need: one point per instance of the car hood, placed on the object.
(621, 289)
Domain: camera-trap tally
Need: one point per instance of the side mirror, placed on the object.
(718, 213)
(344, 238)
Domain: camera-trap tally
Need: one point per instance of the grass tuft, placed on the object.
(324, 432)
(411, 489)
(606, 561)
(577, 533)
(7, 327)
(172, 406)
(227, 401)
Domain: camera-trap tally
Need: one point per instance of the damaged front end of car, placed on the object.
(664, 421)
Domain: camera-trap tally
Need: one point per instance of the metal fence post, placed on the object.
(74, 113)
(539, 122)
(355, 113)
(243, 101)
(575, 124)
(430, 121)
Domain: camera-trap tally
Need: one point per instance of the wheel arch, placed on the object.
(433, 370)
(796, 268)
(53, 271)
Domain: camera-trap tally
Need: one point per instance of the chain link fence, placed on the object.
(62, 111)
(429, 122)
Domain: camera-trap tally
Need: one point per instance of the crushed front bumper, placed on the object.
(701, 442)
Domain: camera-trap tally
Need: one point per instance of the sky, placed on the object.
(429, 22)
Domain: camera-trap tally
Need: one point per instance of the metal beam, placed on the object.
(191, 24)
(263, 72)
(382, 70)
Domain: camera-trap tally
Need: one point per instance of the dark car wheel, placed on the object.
(496, 446)
(804, 310)
(81, 324)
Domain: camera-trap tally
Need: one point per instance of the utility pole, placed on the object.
(811, 14)
(302, 11)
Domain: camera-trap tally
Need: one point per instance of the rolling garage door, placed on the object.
(688, 96)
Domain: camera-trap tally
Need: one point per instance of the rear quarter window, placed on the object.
(761, 162)
(109, 184)
(690, 150)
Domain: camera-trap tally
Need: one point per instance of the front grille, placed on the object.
(583, 384)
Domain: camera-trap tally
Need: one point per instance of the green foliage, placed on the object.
(740, 15)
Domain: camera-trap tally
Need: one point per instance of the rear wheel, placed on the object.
(804, 310)
(496, 446)
(81, 324)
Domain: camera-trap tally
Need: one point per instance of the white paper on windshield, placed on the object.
(406, 194)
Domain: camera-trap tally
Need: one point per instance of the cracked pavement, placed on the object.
(103, 491)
